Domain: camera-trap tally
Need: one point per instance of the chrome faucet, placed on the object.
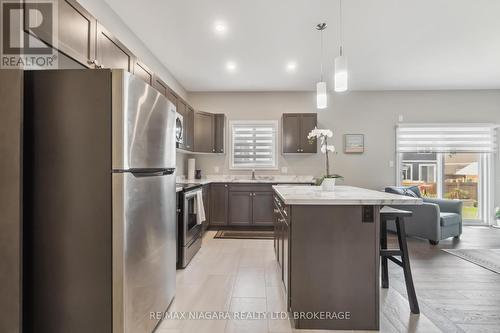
(253, 174)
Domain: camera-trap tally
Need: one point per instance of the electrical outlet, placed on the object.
(400, 118)
(391, 164)
(216, 169)
(284, 169)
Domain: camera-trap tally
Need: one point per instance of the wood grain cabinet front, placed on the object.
(111, 53)
(204, 132)
(295, 128)
(218, 204)
(75, 36)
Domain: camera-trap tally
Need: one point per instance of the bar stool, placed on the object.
(389, 214)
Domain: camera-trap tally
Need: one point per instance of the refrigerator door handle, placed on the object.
(147, 172)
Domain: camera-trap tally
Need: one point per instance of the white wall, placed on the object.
(373, 114)
(112, 22)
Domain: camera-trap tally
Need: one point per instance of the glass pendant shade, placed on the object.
(341, 74)
(321, 97)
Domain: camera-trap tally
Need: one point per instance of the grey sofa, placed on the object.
(435, 220)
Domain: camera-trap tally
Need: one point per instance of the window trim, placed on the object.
(420, 165)
(274, 124)
(410, 169)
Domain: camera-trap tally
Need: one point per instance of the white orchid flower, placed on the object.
(330, 148)
(313, 133)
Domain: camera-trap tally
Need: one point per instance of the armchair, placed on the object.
(434, 220)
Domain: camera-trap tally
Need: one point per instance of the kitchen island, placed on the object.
(327, 246)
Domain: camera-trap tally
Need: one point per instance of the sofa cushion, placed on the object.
(449, 219)
(395, 190)
(411, 191)
(415, 190)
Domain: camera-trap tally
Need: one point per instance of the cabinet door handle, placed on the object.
(225, 185)
(91, 61)
(213, 150)
(276, 211)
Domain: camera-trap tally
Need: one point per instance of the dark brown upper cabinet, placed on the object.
(204, 132)
(161, 86)
(142, 71)
(295, 128)
(76, 33)
(218, 204)
(111, 53)
(209, 132)
(219, 132)
(189, 128)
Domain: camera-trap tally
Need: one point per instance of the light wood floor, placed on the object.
(241, 275)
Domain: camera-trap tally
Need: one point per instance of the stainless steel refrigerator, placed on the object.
(99, 202)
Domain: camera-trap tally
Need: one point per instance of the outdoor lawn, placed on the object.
(470, 213)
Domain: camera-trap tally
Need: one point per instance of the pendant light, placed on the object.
(340, 79)
(321, 96)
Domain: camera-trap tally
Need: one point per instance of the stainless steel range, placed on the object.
(189, 231)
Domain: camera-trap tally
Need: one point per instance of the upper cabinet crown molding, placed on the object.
(295, 128)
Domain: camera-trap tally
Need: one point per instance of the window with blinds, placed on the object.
(446, 138)
(253, 145)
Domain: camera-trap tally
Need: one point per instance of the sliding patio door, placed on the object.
(451, 162)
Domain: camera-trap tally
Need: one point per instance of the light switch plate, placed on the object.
(284, 170)
(391, 164)
(400, 118)
(216, 169)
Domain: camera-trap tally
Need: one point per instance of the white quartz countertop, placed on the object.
(248, 179)
(343, 195)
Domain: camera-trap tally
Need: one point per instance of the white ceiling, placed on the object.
(390, 44)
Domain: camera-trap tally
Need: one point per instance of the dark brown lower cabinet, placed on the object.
(218, 204)
(262, 208)
(240, 208)
(251, 205)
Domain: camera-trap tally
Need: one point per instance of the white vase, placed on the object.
(328, 184)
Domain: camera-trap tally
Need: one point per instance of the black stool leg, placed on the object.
(383, 246)
(410, 288)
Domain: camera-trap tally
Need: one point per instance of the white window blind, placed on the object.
(446, 138)
(253, 145)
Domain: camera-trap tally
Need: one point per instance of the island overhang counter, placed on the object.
(327, 246)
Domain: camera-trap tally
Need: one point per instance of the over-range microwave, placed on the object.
(179, 128)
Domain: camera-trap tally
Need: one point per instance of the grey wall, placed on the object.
(373, 114)
(11, 89)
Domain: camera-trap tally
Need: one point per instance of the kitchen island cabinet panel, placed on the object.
(330, 263)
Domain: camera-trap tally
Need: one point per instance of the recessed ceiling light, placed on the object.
(231, 66)
(291, 66)
(220, 27)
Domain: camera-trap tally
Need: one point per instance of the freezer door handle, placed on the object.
(147, 172)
